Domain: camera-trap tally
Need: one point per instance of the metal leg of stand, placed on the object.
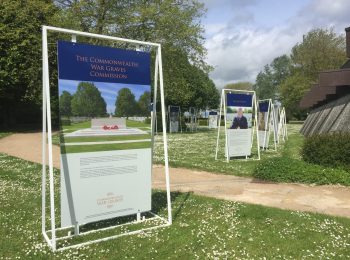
(138, 217)
(76, 229)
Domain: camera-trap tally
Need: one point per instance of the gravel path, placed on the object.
(333, 200)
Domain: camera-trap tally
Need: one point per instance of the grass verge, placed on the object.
(197, 151)
(284, 169)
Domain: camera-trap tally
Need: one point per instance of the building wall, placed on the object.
(331, 117)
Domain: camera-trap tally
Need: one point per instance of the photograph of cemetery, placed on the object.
(98, 116)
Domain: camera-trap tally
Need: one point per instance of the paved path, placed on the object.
(333, 200)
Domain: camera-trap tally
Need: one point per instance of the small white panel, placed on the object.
(239, 142)
(103, 185)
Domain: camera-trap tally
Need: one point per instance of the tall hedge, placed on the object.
(331, 150)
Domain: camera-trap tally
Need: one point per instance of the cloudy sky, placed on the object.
(244, 35)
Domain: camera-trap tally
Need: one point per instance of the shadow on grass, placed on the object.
(160, 202)
(159, 206)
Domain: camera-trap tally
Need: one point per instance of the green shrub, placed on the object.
(284, 169)
(65, 122)
(328, 149)
(148, 120)
(203, 122)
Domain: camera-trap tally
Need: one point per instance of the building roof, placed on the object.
(332, 85)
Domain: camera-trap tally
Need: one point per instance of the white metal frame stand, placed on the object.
(282, 130)
(50, 235)
(278, 120)
(254, 127)
(270, 115)
(272, 123)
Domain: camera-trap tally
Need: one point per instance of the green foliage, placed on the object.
(65, 122)
(285, 169)
(148, 120)
(174, 24)
(288, 78)
(331, 150)
(87, 101)
(291, 92)
(143, 104)
(171, 22)
(289, 166)
(240, 86)
(125, 105)
(185, 84)
(270, 78)
(20, 59)
(321, 49)
(65, 104)
(202, 122)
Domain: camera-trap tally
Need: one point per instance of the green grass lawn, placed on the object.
(76, 126)
(203, 228)
(197, 150)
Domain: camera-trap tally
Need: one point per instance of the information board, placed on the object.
(213, 119)
(106, 159)
(239, 109)
(174, 119)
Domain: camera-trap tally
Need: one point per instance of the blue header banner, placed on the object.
(86, 62)
(239, 100)
(264, 106)
(213, 113)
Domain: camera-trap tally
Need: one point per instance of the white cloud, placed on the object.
(240, 55)
(238, 52)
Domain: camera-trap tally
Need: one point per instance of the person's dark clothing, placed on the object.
(240, 123)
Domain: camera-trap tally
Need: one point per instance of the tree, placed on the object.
(174, 24)
(292, 90)
(144, 103)
(269, 80)
(187, 85)
(125, 105)
(65, 104)
(240, 86)
(281, 67)
(321, 49)
(20, 59)
(87, 101)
